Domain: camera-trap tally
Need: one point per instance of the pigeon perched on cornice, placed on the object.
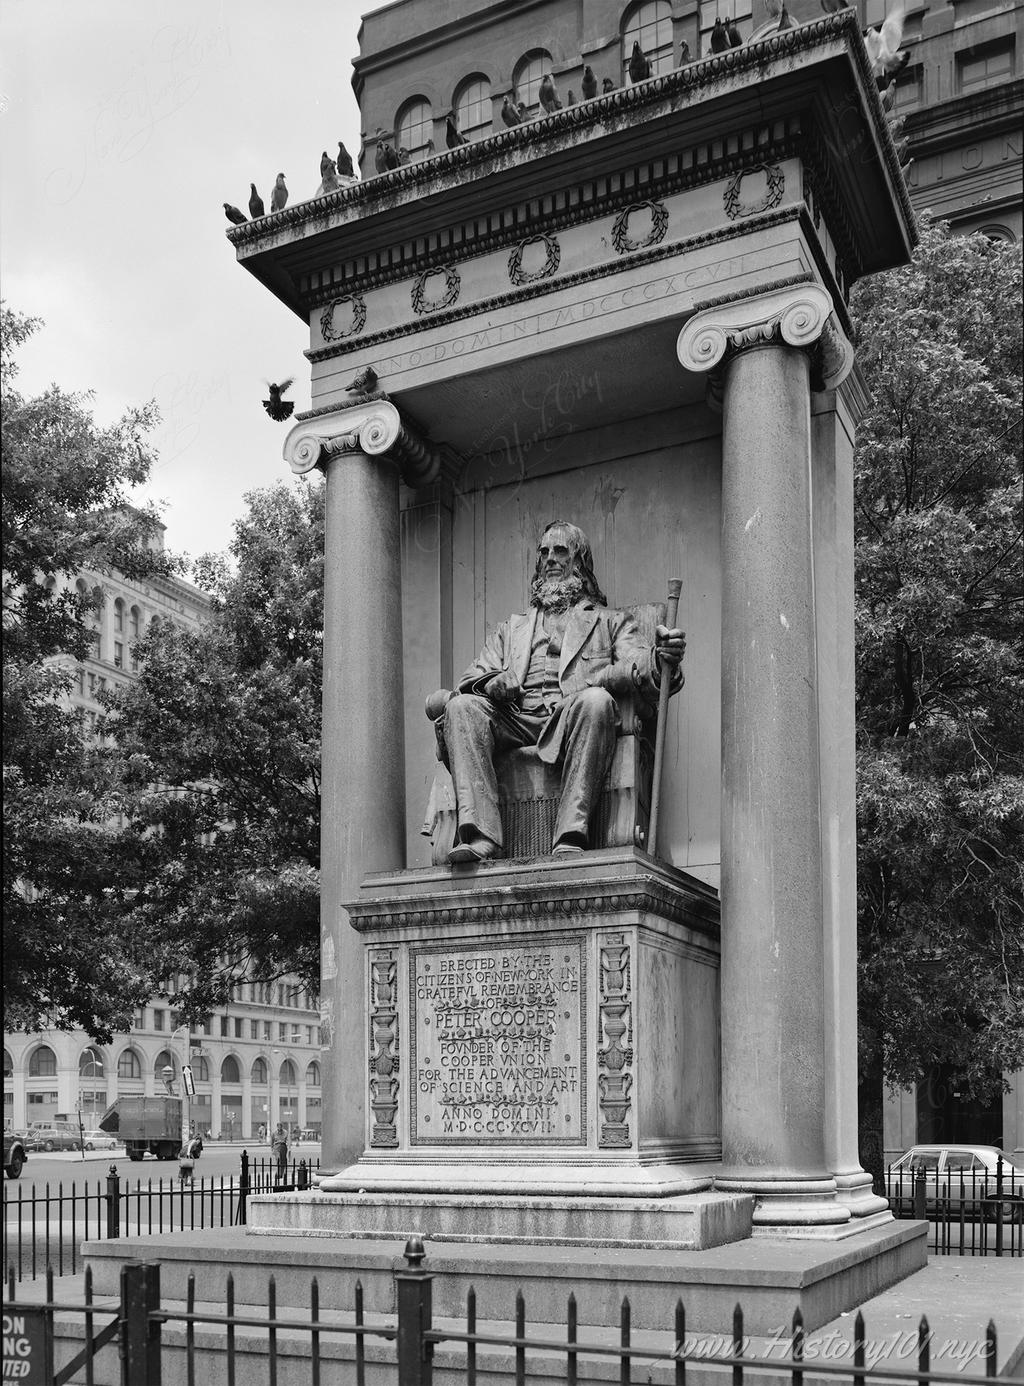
(735, 37)
(607, 85)
(589, 83)
(523, 109)
(547, 94)
(329, 183)
(364, 383)
(326, 162)
(452, 135)
(234, 214)
(279, 196)
(639, 64)
(403, 155)
(719, 37)
(570, 100)
(889, 96)
(256, 208)
(684, 54)
(883, 46)
(509, 114)
(344, 162)
(279, 409)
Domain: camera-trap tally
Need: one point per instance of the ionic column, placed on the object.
(776, 996)
(363, 450)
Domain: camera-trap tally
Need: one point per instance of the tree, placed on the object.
(218, 748)
(66, 487)
(940, 683)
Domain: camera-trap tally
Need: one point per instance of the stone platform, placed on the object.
(770, 1278)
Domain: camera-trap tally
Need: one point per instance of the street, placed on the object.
(218, 1159)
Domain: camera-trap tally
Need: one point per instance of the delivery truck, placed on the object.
(146, 1123)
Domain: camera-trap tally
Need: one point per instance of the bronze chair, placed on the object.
(528, 789)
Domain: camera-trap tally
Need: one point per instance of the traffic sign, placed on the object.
(188, 1081)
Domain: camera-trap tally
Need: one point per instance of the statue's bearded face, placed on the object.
(555, 554)
(556, 586)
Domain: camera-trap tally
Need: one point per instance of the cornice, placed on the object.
(666, 250)
(552, 905)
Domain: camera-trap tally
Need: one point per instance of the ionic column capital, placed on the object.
(801, 315)
(374, 427)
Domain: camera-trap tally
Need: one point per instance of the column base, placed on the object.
(792, 1207)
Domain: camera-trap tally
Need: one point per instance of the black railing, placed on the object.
(969, 1214)
(260, 1331)
(46, 1228)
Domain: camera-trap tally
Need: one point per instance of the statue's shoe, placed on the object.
(480, 849)
(567, 849)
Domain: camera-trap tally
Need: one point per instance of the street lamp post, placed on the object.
(95, 1071)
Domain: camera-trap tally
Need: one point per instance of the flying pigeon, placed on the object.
(344, 161)
(883, 45)
(548, 95)
(509, 114)
(719, 37)
(639, 64)
(364, 382)
(684, 54)
(735, 37)
(589, 83)
(233, 214)
(256, 208)
(279, 409)
(279, 196)
(607, 85)
(326, 162)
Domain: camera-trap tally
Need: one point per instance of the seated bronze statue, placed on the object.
(555, 679)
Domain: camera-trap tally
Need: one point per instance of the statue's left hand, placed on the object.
(670, 645)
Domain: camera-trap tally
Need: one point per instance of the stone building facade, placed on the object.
(255, 1061)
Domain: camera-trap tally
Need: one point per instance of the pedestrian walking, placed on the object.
(279, 1151)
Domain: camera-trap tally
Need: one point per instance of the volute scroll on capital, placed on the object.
(799, 316)
(374, 427)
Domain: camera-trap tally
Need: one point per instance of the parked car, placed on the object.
(14, 1154)
(979, 1178)
(101, 1140)
(52, 1138)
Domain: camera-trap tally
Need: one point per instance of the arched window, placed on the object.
(119, 616)
(996, 233)
(473, 108)
(414, 128)
(90, 1063)
(165, 1059)
(526, 78)
(8, 1065)
(229, 1072)
(650, 25)
(259, 1071)
(129, 1065)
(201, 1070)
(288, 1073)
(43, 1063)
(313, 1075)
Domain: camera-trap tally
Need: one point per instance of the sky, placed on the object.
(124, 127)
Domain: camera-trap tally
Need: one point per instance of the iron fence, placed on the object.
(966, 1215)
(141, 1316)
(46, 1227)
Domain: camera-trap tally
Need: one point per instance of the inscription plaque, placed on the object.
(498, 1044)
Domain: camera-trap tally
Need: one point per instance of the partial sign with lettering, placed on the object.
(499, 1043)
(28, 1345)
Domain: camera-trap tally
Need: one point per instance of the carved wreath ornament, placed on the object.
(344, 317)
(553, 254)
(422, 304)
(621, 239)
(772, 196)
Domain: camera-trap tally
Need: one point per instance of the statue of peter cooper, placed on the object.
(549, 679)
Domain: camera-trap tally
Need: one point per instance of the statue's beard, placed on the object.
(556, 594)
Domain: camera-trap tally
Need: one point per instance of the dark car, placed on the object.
(53, 1138)
(14, 1154)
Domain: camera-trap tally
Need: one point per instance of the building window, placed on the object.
(983, 68)
(288, 1073)
(910, 88)
(119, 616)
(650, 25)
(239, 1027)
(473, 108)
(229, 1070)
(259, 1071)
(201, 1070)
(8, 1066)
(313, 1075)
(90, 1063)
(414, 128)
(129, 1065)
(158, 1019)
(526, 78)
(118, 655)
(43, 1063)
(282, 1031)
(225, 1026)
(267, 1030)
(254, 1029)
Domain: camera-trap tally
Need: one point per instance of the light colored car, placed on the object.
(976, 1175)
(101, 1140)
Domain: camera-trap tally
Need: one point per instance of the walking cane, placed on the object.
(675, 586)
